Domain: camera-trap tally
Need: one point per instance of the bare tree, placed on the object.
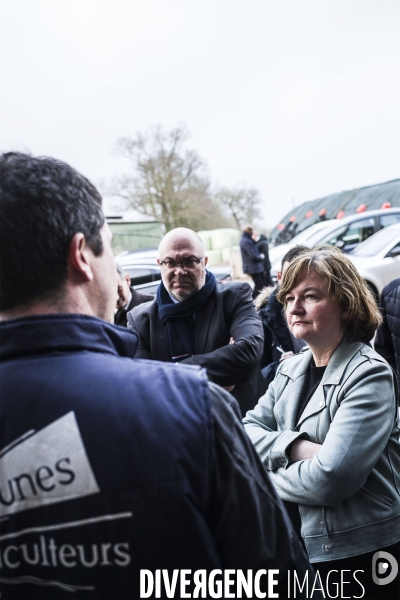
(241, 203)
(168, 181)
(204, 213)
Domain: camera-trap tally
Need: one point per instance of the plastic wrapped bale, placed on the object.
(226, 254)
(224, 238)
(206, 236)
(214, 257)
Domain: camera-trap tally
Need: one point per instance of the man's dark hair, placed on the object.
(292, 253)
(43, 203)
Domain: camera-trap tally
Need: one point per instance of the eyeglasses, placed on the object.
(187, 264)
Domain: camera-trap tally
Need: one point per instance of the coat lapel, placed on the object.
(203, 323)
(332, 376)
(314, 405)
(285, 409)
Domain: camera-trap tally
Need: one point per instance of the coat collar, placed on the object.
(340, 358)
(50, 333)
(297, 367)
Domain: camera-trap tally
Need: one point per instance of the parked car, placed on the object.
(221, 273)
(142, 273)
(344, 233)
(148, 288)
(378, 258)
(276, 253)
(144, 256)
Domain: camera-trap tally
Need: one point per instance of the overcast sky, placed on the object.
(299, 98)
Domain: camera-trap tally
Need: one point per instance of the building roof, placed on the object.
(381, 195)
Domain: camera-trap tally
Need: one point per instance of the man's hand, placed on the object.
(229, 388)
(286, 355)
(303, 449)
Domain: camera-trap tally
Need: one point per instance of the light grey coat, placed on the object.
(349, 493)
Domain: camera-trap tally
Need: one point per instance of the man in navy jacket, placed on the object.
(114, 472)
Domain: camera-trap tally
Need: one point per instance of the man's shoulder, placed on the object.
(151, 369)
(233, 292)
(139, 297)
(183, 387)
(231, 288)
(145, 308)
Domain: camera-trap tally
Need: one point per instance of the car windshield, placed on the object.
(310, 232)
(321, 235)
(377, 242)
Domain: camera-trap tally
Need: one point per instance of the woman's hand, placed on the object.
(303, 449)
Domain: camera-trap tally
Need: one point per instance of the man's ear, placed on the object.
(79, 257)
(128, 279)
(205, 260)
(279, 275)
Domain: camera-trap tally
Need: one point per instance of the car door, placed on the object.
(391, 264)
(140, 274)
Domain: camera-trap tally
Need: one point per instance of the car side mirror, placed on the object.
(394, 252)
(340, 244)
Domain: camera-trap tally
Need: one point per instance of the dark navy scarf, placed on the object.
(177, 319)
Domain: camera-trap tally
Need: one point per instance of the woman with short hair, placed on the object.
(326, 428)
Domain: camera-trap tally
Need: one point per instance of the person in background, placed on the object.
(195, 320)
(262, 245)
(128, 297)
(326, 427)
(387, 340)
(252, 260)
(109, 465)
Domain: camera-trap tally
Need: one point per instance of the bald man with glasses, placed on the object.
(197, 321)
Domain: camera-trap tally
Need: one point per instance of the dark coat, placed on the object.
(387, 341)
(137, 298)
(263, 248)
(272, 317)
(115, 465)
(252, 262)
(276, 331)
(230, 312)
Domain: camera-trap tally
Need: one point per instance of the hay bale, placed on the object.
(214, 257)
(224, 237)
(206, 238)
